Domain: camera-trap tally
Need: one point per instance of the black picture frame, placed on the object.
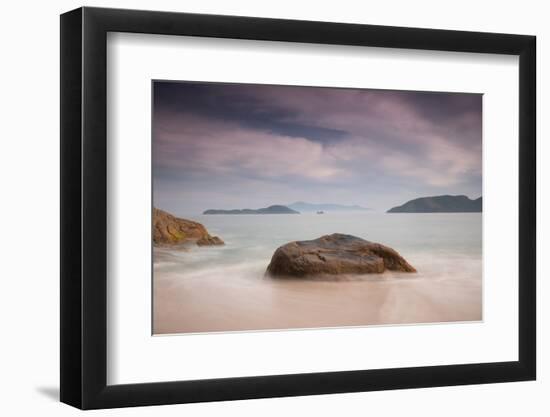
(84, 207)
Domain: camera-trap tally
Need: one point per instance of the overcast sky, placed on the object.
(250, 146)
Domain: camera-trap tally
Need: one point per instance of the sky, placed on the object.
(224, 146)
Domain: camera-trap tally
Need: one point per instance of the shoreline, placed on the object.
(206, 304)
(223, 288)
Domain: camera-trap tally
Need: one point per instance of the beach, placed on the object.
(222, 289)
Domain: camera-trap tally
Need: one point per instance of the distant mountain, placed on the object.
(311, 207)
(440, 204)
(277, 209)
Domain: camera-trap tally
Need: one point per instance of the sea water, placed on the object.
(224, 288)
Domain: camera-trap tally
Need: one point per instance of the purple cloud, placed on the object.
(369, 147)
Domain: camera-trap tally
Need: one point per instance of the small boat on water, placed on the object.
(320, 212)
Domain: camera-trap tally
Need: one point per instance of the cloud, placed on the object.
(202, 146)
(295, 138)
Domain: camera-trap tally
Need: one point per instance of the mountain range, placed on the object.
(304, 207)
(276, 209)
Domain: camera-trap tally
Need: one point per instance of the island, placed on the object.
(276, 209)
(302, 206)
(440, 204)
(169, 230)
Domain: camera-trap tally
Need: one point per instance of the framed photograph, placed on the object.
(259, 208)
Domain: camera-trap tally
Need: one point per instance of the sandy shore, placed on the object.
(222, 303)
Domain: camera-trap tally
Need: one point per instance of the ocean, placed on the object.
(223, 288)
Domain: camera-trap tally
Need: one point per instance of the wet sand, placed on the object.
(228, 302)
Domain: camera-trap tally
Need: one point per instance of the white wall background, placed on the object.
(29, 225)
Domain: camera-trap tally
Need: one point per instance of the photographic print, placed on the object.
(291, 207)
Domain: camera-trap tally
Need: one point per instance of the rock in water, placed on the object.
(335, 254)
(209, 241)
(171, 230)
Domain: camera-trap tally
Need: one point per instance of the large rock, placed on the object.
(335, 254)
(171, 230)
